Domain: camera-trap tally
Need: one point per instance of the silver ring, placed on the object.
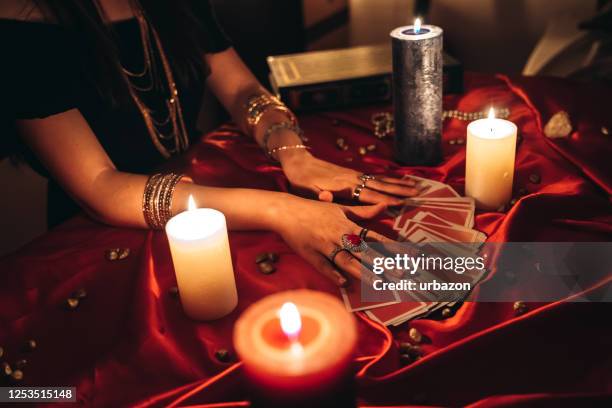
(363, 233)
(357, 192)
(334, 253)
(365, 178)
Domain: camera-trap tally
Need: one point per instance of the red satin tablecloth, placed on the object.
(129, 344)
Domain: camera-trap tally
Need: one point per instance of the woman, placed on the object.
(102, 91)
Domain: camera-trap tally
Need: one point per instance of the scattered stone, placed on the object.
(535, 178)
(371, 147)
(452, 141)
(410, 349)
(21, 363)
(17, 375)
(261, 258)
(173, 291)
(267, 268)
(80, 294)
(6, 368)
(363, 151)
(112, 254)
(341, 143)
(605, 131)
(31, 345)
(72, 303)
(1, 352)
(460, 141)
(222, 355)
(415, 335)
(124, 253)
(558, 126)
(447, 312)
(519, 308)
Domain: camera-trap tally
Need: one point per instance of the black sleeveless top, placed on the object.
(40, 75)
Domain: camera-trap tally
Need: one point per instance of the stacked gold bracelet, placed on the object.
(258, 105)
(157, 198)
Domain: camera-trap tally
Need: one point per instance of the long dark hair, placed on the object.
(176, 21)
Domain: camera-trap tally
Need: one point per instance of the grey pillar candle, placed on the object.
(417, 94)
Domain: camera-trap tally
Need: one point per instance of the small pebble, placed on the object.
(1, 352)
(72, 303)
(452, 141)
(371, 148)
(6, 368)
(31, 345)
(460, 141)
(21, 363)
(17, 375)
(124, 253)
(222, 355)
(272, 256)
(261, 258)
(447, 312)
(173, 291)
(363, 151)
(519, 308)
(415, 335)
(406, 359)
(112, 254)
(267, 268)
(605, 131)
(410, 349)
(340, 143)
(535, 178)
(80, 294)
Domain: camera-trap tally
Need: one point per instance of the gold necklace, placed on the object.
(178, 136)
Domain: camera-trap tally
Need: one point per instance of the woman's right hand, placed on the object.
(314, 229)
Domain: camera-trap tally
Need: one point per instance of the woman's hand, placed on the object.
(314, 229)
(328, 181)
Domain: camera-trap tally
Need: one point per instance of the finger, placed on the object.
(352, 266)
(324, 266)
(395, 189)
(373, 197)
(364, 212)
(404, 182)
(375, 236)
(326, 196)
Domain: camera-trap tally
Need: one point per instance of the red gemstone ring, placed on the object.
(353, 243)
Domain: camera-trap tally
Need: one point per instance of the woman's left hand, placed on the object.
(328, 181)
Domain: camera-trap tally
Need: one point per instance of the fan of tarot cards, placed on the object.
(438, 215)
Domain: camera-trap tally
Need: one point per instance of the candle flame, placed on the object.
(191, 204)
(417, 25)
(290, 320)
(491, 113)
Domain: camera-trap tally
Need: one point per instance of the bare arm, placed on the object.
(73, 155)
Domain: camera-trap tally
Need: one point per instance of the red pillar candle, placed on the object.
(297, 348)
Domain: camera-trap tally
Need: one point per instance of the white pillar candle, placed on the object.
(489, 162)
(202, 262)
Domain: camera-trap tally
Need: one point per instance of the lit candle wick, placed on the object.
(417, 26)
(191, 204)
(290, 321)
(491, 117)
